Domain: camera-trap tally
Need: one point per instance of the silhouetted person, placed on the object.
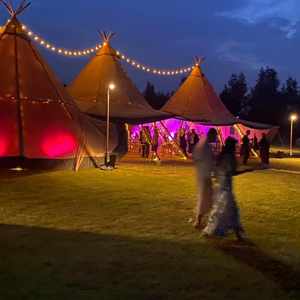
(148, 141)
(145, 144)
(264, 150)
(193, 140)
(245, 147)
(182, 142)
(155, 141)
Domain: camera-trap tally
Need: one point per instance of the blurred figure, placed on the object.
(245, 148)
(225, 217)
(264, 150)
(204, 160)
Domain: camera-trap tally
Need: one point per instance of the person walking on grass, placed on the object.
(204, 160)
(224, 216)
(264, 150)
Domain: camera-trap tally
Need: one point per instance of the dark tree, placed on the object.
(234, 95)
(290, 95)
(155, 99)
(290, 92)
(266, 101)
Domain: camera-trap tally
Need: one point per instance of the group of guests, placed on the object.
(188, 141)
(149, 142)
(217, 212)
(262, 147)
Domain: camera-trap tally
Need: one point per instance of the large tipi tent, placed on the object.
(197, 106)
(39, 122)
(197, 101)
(89, 89)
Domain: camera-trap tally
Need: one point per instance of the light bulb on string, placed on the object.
(132, 62)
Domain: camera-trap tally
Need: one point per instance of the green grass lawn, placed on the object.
(292, 164)
(285, 149)
(125, 235)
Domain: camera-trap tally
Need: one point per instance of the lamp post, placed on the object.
(110, 87)
(293, 118)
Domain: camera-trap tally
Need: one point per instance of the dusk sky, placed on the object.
(233, 35)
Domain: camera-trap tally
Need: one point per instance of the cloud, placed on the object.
(241, 54)
(281, 14)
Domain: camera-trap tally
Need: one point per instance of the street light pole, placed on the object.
(110, 87)
(293, 118)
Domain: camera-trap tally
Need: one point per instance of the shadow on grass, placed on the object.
(39, 263)
(285, 276)
(8, 174)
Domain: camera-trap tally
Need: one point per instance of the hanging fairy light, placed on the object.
(87, 52)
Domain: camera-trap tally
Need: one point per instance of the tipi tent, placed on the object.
(89, 89)
(39, 122)
(197, 106)
(197, 101)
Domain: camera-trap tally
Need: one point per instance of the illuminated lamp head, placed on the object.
(293, 117)
(111, 86)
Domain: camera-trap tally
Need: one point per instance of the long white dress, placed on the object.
(204, 162)
(224, 216)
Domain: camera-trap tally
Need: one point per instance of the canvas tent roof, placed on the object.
(38, 119)
(197, 101)
(127, 104)
(256, 125)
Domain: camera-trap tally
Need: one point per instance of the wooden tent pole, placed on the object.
(172, 138)
(19, 101)
(220, 135)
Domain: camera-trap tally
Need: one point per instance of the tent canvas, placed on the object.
(197, 101)
(38, 119)
(89, 89)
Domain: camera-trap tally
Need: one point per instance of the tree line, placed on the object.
(268, 101)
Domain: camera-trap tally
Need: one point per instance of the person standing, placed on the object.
(245, 147)
(142, 142)
(182, 142)
(224, 216)
(264, 150)
(147, 141)
(193, 140)
(204, 160)
(155, 140)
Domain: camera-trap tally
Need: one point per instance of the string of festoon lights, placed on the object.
(89, 51)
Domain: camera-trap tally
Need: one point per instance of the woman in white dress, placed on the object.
(224, 216)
